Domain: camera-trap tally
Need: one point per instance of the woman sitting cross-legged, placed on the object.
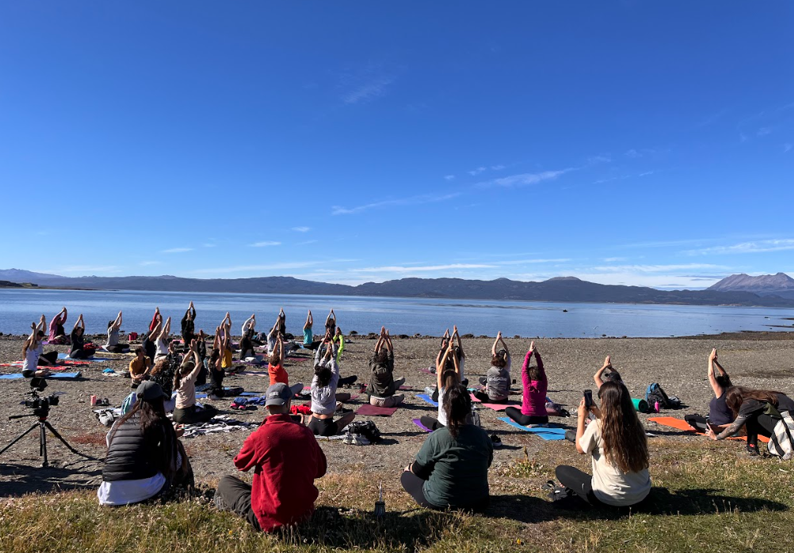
(144, 458)
(616, 440)
(533, 404)
(447, 375)
(497, 380)
(755, 410)
(451, 469)
(720, 415)
(80, 349)
(324, 396)
(33, 351)
(382, 386)
(114, 329)
(186, 411)
(57, 333)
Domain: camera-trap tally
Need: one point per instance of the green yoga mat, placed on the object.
(641, 405)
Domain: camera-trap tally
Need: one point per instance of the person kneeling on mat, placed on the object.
(286, 459)
(451, 469)
(382, 386)
(186, 411)
(619, 448)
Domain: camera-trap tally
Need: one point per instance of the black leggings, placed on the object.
(193, 415)
(482, 396)
(430, 422)
(578, 482)
(81, 353)
(524, 420)
(760, 424)
(118, 348)
(50, 356)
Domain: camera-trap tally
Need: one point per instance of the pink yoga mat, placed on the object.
(494, 406)
(372, 411)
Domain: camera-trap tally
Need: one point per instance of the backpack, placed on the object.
(781, 442)
(654, 394)
(366, 429)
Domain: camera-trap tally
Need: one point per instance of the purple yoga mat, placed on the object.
(418, 423)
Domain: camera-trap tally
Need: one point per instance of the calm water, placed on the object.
(18, 308)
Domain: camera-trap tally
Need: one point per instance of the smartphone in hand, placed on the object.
(588, 398)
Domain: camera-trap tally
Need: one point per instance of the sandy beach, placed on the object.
(757, 360)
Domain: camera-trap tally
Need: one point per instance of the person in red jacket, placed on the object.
(286, 459)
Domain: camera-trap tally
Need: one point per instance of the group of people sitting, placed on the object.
(145, 458)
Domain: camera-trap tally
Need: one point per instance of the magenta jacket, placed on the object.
(533, 403)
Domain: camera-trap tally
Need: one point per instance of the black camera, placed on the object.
(40, 404)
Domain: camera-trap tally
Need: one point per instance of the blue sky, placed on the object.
(632, 142)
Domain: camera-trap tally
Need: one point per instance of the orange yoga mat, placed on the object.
(681, 424)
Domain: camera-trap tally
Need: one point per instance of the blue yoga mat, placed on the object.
(250, 394)
(547, 433)
(427, 399)
(60, 376)
(14, 376)
(201, 396)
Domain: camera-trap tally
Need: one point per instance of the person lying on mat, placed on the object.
(186, 411)
(140, 367)
(144, 458)
(451, 469)
(382, 385)
(324, 396)
(80, 349)
(497, 380)
(752, 410)
(188, 325)
(286, 459)
(162, 340)
(330, 324)
(57, 333)
(156, 318)
(247, 340)
(619, 448)
(533, 402)
(447, 375)
(114, 329)
(720, 415)
(32, 352)
(611, 376)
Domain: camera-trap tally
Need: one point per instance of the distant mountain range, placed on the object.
(780, 285)
(560, 289)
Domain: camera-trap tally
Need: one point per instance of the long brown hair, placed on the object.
(625, 443)
(735, 396)
(457, 406)
(157, 430)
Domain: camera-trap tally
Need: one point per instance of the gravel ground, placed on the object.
(762, 360)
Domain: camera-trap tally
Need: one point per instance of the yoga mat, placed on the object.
(427, 399)
(547, 433)
(680, 424)
(418, 423)
(14, 376)
(65, 376)
(201, 396)
(372, 411)
(494, 406)
(641, 405)
(249, 394)
(93, 359)
(253, 373)
(19, 364)
(428, 371)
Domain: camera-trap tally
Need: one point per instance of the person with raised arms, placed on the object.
(535, 384)
(162, 340)
(330, 324)
(451, 469)
(80, 349)
(186, 411)
(308, 336)
(324, 396)
(114, 329)
(382, 385)
(497, 380)
(32, 351)
(57, 333)
(601, 375)
(188, 325)
(447, 375)
(226, 348)
(156, 318)
(247, 340)
(720, 415)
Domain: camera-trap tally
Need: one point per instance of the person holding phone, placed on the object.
(619, 448)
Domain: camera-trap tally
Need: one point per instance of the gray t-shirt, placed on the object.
(113, 337)
(497, 383)
(324, 397)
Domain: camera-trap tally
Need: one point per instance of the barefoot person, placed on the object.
(144, 457)
(80, 349)
(720, 415)
(186, 411)
(619, 449)
(286, 459)
(451, 469)
(114, 330)
(382, 385)
(447, 375)
(57, 333)
(324, 396)
(32, 352)
(533, 403)
(497, 379)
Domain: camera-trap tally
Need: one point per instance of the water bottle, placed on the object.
(380, 505)
(475, 416)
(656, 407)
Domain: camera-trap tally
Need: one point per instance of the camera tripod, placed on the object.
(43, 425)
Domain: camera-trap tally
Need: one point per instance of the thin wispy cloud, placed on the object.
(613, 259)
(369, 90)
(307, 242)
(422, 268)
(758, 246)
(414, 200)
(763, 131)
(658, 268)
(532, 261)
(85, 269)
(602, 158)
(524, 179)
(449, 177)
(259, 268)
(301, 229)
(265, 244)
(477, 171)
(149, 263)
(177, 250)
(635, 153)
(497, 167)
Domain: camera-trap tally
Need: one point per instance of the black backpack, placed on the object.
(366, 429)
(654, 394)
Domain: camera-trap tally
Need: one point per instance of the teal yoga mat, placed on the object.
(547, 433)
(641, 405)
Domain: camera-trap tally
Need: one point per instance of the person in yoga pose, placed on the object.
(339, 340)
(144, 457)
(275, 367)
(186, 411)
(140, 367)
(189, 325)
(533, 402)
(619, 449)
(247, 340)
(324, 396)
(720, 415)
(446, 342)
(751, 409)
(114, 329)
(272, 339)
(497, 380)
(57, 333)
(611, 376)
(156, 318)
(286, 459)
(447, 375)
(226, 342)
(149, 338)
(202, 351)
(80, 349)
(162, 340)
(330, 324)
(163, 374)
(32, 351)
(308, 336)
(451, 469)
(382, 385)
(281, 322)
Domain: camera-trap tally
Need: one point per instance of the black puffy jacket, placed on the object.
(133, 456)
